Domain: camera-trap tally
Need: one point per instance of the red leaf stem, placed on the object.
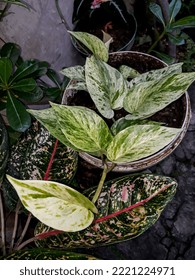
(46, 177)
(48, 234)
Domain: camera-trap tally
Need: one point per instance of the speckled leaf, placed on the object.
(46, 254)
(123, 123)
(157, 74)
(147, 194)
(106, 86)
(128, 72)
(77, 86)
(94, 44)
(4, 147)
(55, 204)
(76, 73)
(139, 141)
(83, 128)
(147, 98)
(29, 159)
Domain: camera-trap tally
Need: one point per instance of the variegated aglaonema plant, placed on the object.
(126, 206)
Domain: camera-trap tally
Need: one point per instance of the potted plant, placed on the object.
(108, 20)
(125, 207)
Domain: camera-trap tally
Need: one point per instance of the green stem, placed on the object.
(102, 180)
(156, 42)
(24, 231)
(61, 16)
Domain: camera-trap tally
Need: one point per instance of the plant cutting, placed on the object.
(21, 84)
(106, 19)
(132, 198)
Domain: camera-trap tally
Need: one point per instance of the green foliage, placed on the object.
(4, 148)
(127, 207)
(20, 84)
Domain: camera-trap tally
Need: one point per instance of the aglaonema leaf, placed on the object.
(55, 204)
(127, 207)
(94, 44)
(19, 119)
(139, 141)
(46, 254)
(147, 98)
(83, 128)
(30, 157)
(106, 86)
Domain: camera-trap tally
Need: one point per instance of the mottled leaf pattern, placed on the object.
(128, 72)
(147, 98)
(76, 73)
(29, 159)
(139, 141)
(46, 254)
(106, 86)
(83, 128)
(55, 204)
(116, 195)
(94, 44)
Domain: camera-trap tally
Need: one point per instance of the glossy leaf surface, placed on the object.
(5, 70)
(147, 194)
(55, 204)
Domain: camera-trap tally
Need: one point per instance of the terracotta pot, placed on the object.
(143, 63)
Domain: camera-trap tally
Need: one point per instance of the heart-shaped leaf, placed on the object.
(106, 86)
(139, 141)
(83, 128)
(6, 69)
(46, 254)
(127, 207)
(19, 119)
(147, 98)
(55, 204)
(94, 44)
(76, 73)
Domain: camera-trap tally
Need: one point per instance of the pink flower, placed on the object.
(96, 3)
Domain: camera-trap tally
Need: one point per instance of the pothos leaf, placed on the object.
(55, 204)
(147, 98)
(83, 128)
(76, 73)
(139, 141)
(127, 207)
(106, 86)
(94, 44)
(29, 159)
(128, 72)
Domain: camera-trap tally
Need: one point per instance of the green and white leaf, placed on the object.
(94, 44)
(157, 74)
(55, 204)
(139, 141)
(29, 159)
(106, 86)
(128, 72)
(147, 98)
(83, 128)
(77, 86)
(76, 73)
(115, 196)
(123, 123)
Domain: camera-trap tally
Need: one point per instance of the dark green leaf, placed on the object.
(176, 40)
(6, 69)
(157, 11)
(54, 77)
(4, 147)
(24, 85)
(186, 22)
(46, 254)
(147, 194)
(174, 8)
(32, 96)
(166, 58)
(12, 51)
(53, 93)
(19, 119)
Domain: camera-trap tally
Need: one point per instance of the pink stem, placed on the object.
(46, 177)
